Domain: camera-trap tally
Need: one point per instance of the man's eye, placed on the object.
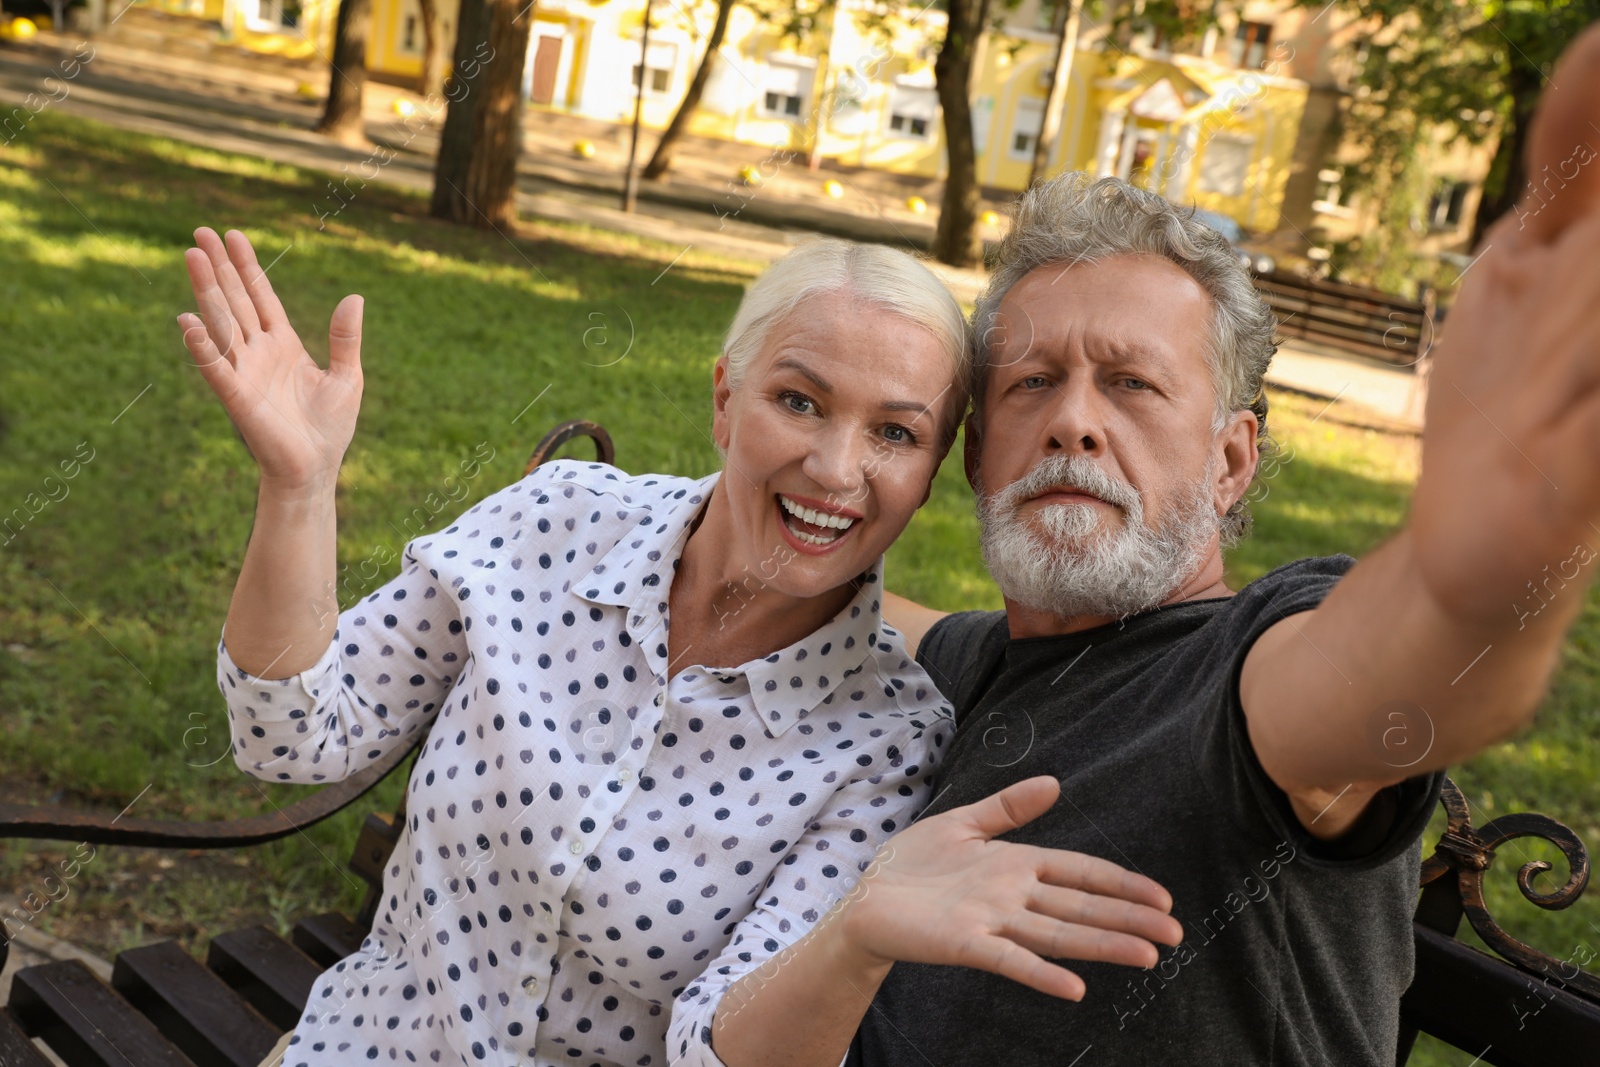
(1136, 383)
(797, 402)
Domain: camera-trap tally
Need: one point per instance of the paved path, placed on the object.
(253, 106)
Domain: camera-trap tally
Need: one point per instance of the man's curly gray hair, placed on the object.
(1076, 218)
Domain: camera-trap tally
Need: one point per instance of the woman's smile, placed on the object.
(813, 527)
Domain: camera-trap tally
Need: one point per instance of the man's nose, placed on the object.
(1076, 422)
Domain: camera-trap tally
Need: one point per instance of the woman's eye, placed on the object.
(1033, 381)
(899, 435)
(797, 403)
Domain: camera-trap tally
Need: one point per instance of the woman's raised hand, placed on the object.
(296, 418)
(944, 891)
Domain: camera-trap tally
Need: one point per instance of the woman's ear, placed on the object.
(721, 392)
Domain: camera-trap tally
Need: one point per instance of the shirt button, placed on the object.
(659, 699)
(530, 986)
(577, 848)
(624, 774)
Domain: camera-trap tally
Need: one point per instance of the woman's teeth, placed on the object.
(820, 519)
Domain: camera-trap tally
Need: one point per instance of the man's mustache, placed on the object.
(1077, 473)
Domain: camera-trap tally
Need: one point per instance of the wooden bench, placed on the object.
(1362, 321)
(163, 1007)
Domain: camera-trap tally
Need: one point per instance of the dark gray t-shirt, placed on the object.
(1295, 951)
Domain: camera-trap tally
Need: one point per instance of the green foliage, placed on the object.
(1439, 70)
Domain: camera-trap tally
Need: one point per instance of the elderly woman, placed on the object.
(649, 695)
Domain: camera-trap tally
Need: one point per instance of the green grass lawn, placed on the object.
(116, 588)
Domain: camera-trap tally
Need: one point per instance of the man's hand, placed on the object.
(945, 891)
(1509, 494)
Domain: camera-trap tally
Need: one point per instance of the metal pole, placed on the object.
(630, 185)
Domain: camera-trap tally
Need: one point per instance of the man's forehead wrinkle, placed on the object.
(1004, 329)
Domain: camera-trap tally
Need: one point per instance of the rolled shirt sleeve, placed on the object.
(821, 868)
(394, 657)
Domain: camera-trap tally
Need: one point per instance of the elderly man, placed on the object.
(1269, 757)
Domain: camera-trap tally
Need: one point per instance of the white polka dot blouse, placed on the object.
(584, 833)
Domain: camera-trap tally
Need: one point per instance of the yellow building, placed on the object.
(1217, 129)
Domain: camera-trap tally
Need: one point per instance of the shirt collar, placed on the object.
(792, 682)
(785, 686)
(637, 571)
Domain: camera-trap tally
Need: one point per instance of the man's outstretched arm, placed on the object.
(1442, 642)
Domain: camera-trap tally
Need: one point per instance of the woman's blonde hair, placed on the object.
(875, 274)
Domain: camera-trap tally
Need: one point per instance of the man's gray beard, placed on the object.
(1078, 563)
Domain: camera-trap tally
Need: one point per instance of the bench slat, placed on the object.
(16, 1048)
(85, 1021)
(266, 970)
(328, 938)
(211, 1023)
(1472, 1000)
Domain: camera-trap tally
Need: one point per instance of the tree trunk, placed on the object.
(1507, 174)
(431, 81)
(475, 178)
(1066, 26)
(661, 159)
(341, 120)
(956, 240)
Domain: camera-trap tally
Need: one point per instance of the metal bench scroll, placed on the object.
(1528, 1007)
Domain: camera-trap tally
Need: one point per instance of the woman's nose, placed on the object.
(837, 464)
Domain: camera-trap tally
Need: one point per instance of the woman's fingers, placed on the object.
(213, 305)
(214, 367)
(269, 309)
(1092, 874)
(344, 338)
(1002, 956)
(233, 290)
(1016, 805)
(1069, 941)
(1105, 913)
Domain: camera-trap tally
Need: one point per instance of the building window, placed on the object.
(1445, 206)
(273, 16)
(910, 125)
(1248, 49)
(912, 111)
(1225, 166)
(655, 68)
(781, 103)
(1025, 126)
(660, 80)
(784, 89)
